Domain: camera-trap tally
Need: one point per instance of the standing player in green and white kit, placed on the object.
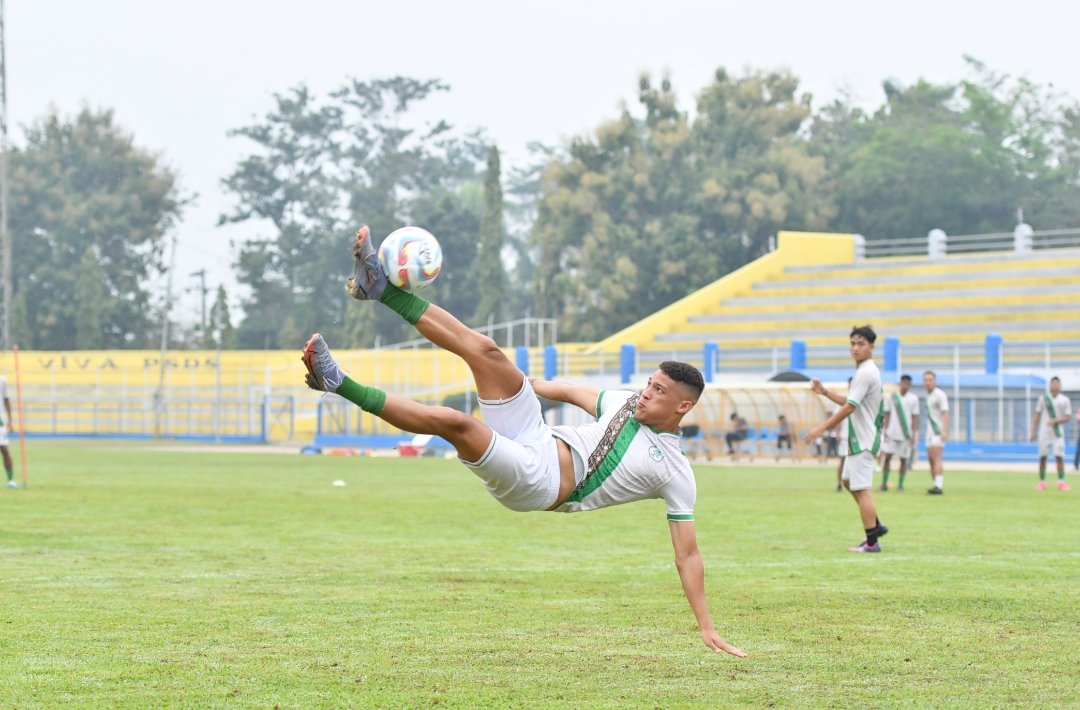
(862, 408)
(632, 452)
(901, 423)
(937, 433)
(1054, 410)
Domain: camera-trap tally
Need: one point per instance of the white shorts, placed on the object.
(859, 471)
(901, 448)
(521, 466)
(1052, 447)
(3, 434)
(933, 440)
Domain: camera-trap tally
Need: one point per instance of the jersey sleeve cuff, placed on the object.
(853, 403)
(680, 517)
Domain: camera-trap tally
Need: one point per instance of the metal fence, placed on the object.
(1042, 359)
(202, 416)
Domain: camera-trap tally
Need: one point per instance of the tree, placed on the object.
(90, 293)
(651, 208)
(320, 168)
(220, 323)
(961, 157)
(80, 184)
(489, 265)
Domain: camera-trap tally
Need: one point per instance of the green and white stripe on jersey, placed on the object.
(609, 463)
(898, 406)
(1052, 413)
(853, 439)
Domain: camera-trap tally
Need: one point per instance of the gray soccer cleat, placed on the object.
(323, 372)
(368, 280)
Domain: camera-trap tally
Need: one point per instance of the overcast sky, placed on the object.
(181, 74)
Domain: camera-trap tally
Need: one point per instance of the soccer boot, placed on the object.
(1040, 486)
(882, 531)
(1063, 486)
(865, 548)
(935, 491)
(368, 279)
(323, 373)
(12, 484)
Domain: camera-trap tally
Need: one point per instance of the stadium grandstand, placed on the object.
(994, 315)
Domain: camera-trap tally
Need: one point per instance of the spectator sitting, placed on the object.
(783, 434)
(739, 433)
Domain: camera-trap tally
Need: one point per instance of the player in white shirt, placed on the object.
(1053, 409)
(937, 430)
(901, 423)
(861, 412)
(630, 453)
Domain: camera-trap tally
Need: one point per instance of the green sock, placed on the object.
(1042, 475)
(1061, 475)
(407, 305)
(370, 399)
(884, 478)
(901, 483)
(10, 473)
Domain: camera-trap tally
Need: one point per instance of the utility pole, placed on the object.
(201, 273)
(159, 395)
(5, 234)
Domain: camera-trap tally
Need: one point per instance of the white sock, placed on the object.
(939, 481)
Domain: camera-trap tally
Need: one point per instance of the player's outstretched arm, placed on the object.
(583, 396)
(837, 417)
(692, 574)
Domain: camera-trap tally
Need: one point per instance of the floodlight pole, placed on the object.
(5, 234)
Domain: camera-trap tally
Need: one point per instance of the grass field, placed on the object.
(140, 578)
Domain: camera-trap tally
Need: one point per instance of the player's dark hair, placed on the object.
(1055, 378)
(930, 372)
(865, 331)
(684, 374)
(905, 378)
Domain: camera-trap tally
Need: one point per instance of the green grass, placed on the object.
(138, 578)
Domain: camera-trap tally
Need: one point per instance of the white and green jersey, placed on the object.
(864, 424)
(1052, 408)
(3, 398)
(902, 408)
(626, 461)
(936, 406)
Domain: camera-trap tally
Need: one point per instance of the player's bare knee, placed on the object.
(454, 424)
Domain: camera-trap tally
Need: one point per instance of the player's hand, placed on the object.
(816, 387)
(813, 435)
(716, 643)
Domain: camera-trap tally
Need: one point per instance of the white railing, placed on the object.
(1022, 240)
(526, 332)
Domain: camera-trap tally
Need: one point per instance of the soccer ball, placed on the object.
(411, 258)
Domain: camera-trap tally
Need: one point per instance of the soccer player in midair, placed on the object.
(631, 452)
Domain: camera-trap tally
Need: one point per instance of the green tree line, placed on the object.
(655, 202)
